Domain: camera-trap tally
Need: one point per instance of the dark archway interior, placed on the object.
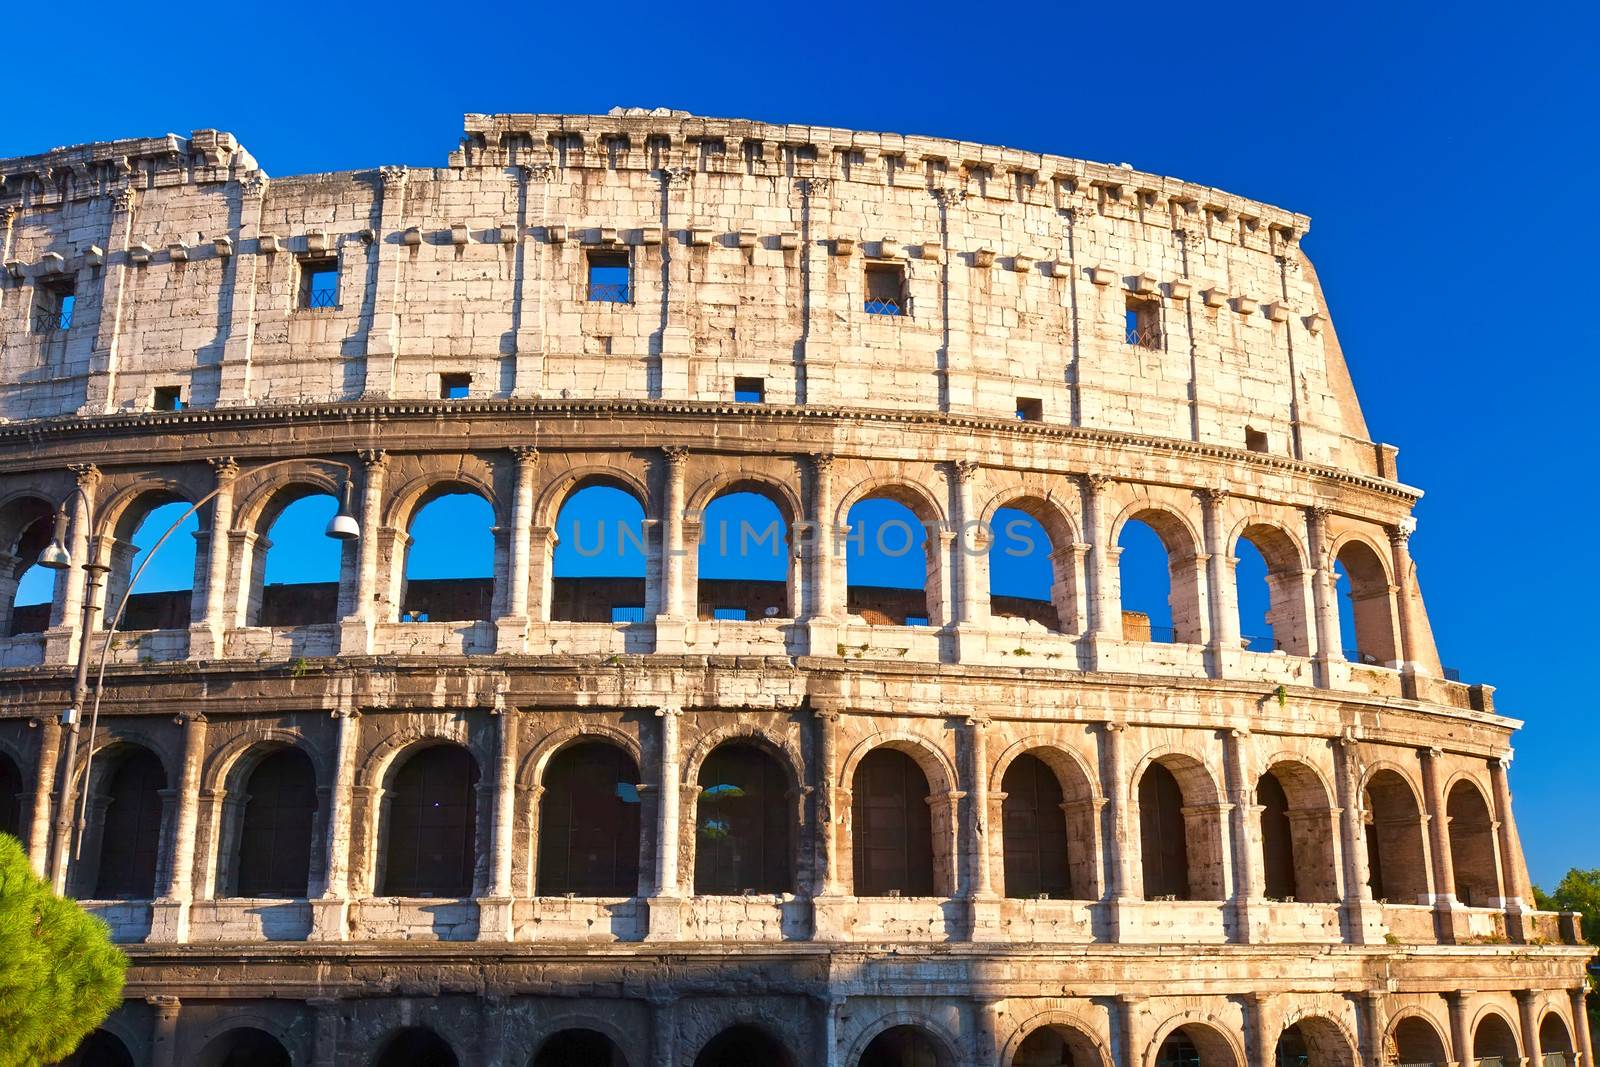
(431, 845)
(11, 798)
(416, 1046)
(893, 826)
(1035, 831)
(742, 824)
(1415, 1041)
(1554, 1038)
(100, 1049)
(589, 823)
(131, 834)
(1163, 839)
(579, 1048)
(902, 1046)
(1277, 838)
(245, 1047)
(743, 1046)
(275, 833)
(1055, 1046)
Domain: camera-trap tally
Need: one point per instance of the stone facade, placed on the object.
(1088, 344)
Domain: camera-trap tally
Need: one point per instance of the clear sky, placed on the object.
(1446, 153)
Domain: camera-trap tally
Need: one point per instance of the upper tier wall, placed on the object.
(748, 246)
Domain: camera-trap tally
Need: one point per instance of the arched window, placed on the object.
(579, 1048)
(11, 798)
(1297, 833)
(1026, 579)
(1195, 1045)
(742, 829)
(280, 804)
(1159, 582)
(26, 589)
(296, 575)
(161, 599)
(416, 1046)
(1494, 1044)
(1555, 1040)
(892, 826)
(598, 565)
(1057, 1046)
(449, 568)
(744, 1046)
(891, 575)
(1472, 847)
(1163, 839)
(1367, 610)
(745, 559)
(1035, 831)
(1416, 1041)
(589, 823)
(244, 1047)
(130, 831)
(432, 807)
(902, 1046)
(1313, 1042)
(1397, 870)
(1273, 591)
(100, 1049)
(1178, 1050)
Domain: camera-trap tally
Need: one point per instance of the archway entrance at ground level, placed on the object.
(743, 1046)
(579, 1048)
(902, 1046)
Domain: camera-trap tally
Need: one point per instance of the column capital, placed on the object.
(1096, 481)
(1212, 494)
(86, 474)
(373, 459)
(822, 462)
(538, 172)
(1113, 727)
(676, 455)
(526, 455)
(1401, 531)
(226, 468)
(813, 186)
(966, 470)
(978, 722)
(668, 711)
(166, 1006)
(253, 185)
(1320, 512)
(122, 199)
(393, 178)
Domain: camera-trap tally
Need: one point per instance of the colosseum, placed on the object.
(552, 816)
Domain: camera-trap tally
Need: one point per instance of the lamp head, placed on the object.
(55, 555)
(343, 526)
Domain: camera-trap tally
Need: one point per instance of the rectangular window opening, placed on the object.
(319, 283)
(886, 290)
(455, 386)
(916, 620)
(1030, 409)
(53, 304)
(734, 614)
(1255, 440)
(1143, 323)
(750, 390)
(610, 278)
(628, 613)
(167, 398)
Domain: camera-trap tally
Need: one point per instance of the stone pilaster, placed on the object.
(495, 920)
(208, 633)
(44, 788)
(164, 1030)
(666, 906)
(1223, 595)
(1363, 919)
(675, 614)
(330, 910)
(66, 614)
(237, 373)
(356, 628)
(383, 336)
(170, 911)
(1105, 594)
(512, 628)
(100, 385)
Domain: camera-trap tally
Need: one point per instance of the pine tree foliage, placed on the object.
(60, 975)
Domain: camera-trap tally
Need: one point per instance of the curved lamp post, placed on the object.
(342, 527)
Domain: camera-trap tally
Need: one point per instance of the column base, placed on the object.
(831, 917)
(1332, 672)
(1098, 652)
(355, 637)
(60, 646)
(495, 919)
(330, 919)
(1450, 922)
(1223, 661)
(672, 635)
(822, 636)
(666, 918)
(1242, 916)
(983, 918)
(206, 643)
(169, 921)
(971, 643)
(511, 635)
(1363, 922)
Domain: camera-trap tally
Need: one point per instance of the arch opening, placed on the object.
(742, 840)
(1472, 847)
(1415, 1041)
(1296, 835)
(1180, 831)
(589, 823)
(275, 828)
(891, 574)
(416, 1046)
(1494, 1044)
(1047, 831)
(449, 559)
(1030, 578)
(244, 1047)
(12, 796)
(579, 1048)
(1273, 592)
(295, 576)
(100, 1049)
(903, 1046)
(1057, 1046)
(745, 562)
(1555, 1041)
(1313, 1042)
(1195, 1045)
(1158, 579)
(1397, 868)
(27, 590)
(431, 810)
(162, 600)
(127, 814)
(1366, 607)
(598, 561)
(892, 826)
(744, 1046)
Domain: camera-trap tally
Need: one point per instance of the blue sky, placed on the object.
(1446, 154)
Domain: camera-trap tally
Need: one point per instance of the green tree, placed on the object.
(60, 975)
(1579, 891)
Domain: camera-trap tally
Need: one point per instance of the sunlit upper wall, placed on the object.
(665, 256)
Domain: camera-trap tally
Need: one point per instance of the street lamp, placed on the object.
(56, 556)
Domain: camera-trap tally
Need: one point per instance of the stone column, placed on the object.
(1444, 875)
(1222, 586)
(325, 1031)
(495, 921)
(1513, 876)
(1528, 1017)
(531, 258)
(1128, 1023)
(983, 904)
(828, 818)
(356, 628)
(985, 1036)
(1119, 849)
(664, 1029)
(1460, 1027)
(825, 600)
(971, 606)
(1583, 1037)
(66, 614)
(170, 911)
(1105, 595)
(1410, 628)
(1370, 1038)
(164, 1031)
(383, 335)
(677, 346)
(512, 629)
(330, 911)
(675, 613)
(1363, 919)
(1328, 643)
(208, 634)
(828, 1012)
(43, 793)
(237, 371)
(666, 906)
(100, 384)
(1263, 1042)
(1249, 875)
